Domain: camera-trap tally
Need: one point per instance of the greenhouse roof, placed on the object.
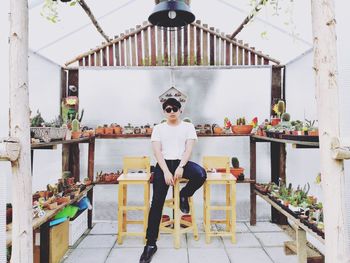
(283, 36)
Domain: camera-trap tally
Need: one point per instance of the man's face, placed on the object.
(172, 113)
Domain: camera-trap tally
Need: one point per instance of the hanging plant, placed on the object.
(49, 9)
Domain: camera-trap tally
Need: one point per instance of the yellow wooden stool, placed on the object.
(177, 222)
(139, 163)
(227, 179)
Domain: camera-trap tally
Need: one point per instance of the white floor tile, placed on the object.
(248, 255)
(278, 255)
(272, 239)
(208, 255)
(243, 240)
(264, 227)
(125, 255)
(170, 255)
(98, 241)
(104, 228)
(86, 255)
(240, 227)
(130, 242)
(215, 242)
(167, 241)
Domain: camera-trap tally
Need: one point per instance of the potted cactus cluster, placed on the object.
(236, 170)
(298, 202)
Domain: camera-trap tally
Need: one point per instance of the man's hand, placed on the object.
(169, 179)
(178, 173)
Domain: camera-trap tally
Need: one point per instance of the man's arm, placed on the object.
(157, 150)
(185, 158)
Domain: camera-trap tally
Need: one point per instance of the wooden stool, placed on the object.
(177, 222)
(227, 179)
(133, 179)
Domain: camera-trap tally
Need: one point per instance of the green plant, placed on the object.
(49, 9)
(37, 120)
(241, 121)
(285, 116)
(235, 162)
(75, 125)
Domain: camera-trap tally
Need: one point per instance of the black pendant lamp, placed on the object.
(171, 13)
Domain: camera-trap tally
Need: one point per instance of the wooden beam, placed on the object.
(340, 148)
(93, 19)
(9, 149)
(251, 15)
(22, 231)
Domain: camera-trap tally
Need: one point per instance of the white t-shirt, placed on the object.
(173, 138)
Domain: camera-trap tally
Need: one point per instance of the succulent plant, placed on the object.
(37, 120)
(281, 106)
(75, 125)
(235, 162)
(285, 116)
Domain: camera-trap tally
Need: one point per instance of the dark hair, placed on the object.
(171, 102)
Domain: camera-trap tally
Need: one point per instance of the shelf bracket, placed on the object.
(9, 149)
(340, 148)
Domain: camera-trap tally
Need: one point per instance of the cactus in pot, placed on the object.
(236, 170)
(76, 133)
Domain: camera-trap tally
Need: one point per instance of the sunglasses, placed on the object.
(169, 109)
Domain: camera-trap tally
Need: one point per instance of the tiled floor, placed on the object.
(261, 243)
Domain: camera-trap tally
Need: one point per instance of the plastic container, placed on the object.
(77, 227)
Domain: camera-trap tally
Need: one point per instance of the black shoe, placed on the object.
(147, 254)
(184, 206)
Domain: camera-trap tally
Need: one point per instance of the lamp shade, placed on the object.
(171, 13)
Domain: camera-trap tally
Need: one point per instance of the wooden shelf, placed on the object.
(245, 181)
(296, 221)
(51, 145)
(305, 144)
(37, 222)
(127, 136)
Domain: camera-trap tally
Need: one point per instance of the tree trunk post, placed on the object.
(22, 232)
(325, 68)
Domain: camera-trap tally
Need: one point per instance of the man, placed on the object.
(172, 143)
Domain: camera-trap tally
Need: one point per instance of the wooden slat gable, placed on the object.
(196, 44)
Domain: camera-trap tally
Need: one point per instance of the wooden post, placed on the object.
(91, 163)
(276, 85)
(22, 226)
(252, 177)
(278, 172)
(326, 84)
(74, 161)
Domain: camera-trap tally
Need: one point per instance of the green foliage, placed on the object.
(285, 117)
(75, 125)
(49, 9)
(235, 162)
(37, 120)
(241, 121)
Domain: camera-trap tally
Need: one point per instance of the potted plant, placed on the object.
(108, 130)
(279, 108)
(148, 129)
(117, 129)
(100, 130)
(236, 170)
(241, 127)
(76, 132)
(217, 129)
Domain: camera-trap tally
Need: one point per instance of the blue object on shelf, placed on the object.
(84, 203)
(57, 221)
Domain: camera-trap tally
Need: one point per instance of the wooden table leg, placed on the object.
(207, 213)
(228, 202)
(233, 212)
(177, 214)
(301, 245)
(90, 175)
(252, 177)
(120, 213)
(45, 242)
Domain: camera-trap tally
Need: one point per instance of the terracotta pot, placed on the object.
(109, 130)
(149, 130)
(63, 200)
(100, 131)
(218, 130)
(52, 206)
(275, 121)
(313, 133)
(236, 171)
(241, 129)
(76, 135)
(117, 130)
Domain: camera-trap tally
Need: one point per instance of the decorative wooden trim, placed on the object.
(198, 44)
(153, 46)
(133, 47)
(186, 45)
(139, 45)
(192, 44)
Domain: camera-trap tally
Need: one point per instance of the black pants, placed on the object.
(192, 171)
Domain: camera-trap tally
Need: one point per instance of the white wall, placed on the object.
(124, 96)
(4, 83)
(343, 37)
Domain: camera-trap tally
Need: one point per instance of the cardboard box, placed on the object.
(59, 236)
